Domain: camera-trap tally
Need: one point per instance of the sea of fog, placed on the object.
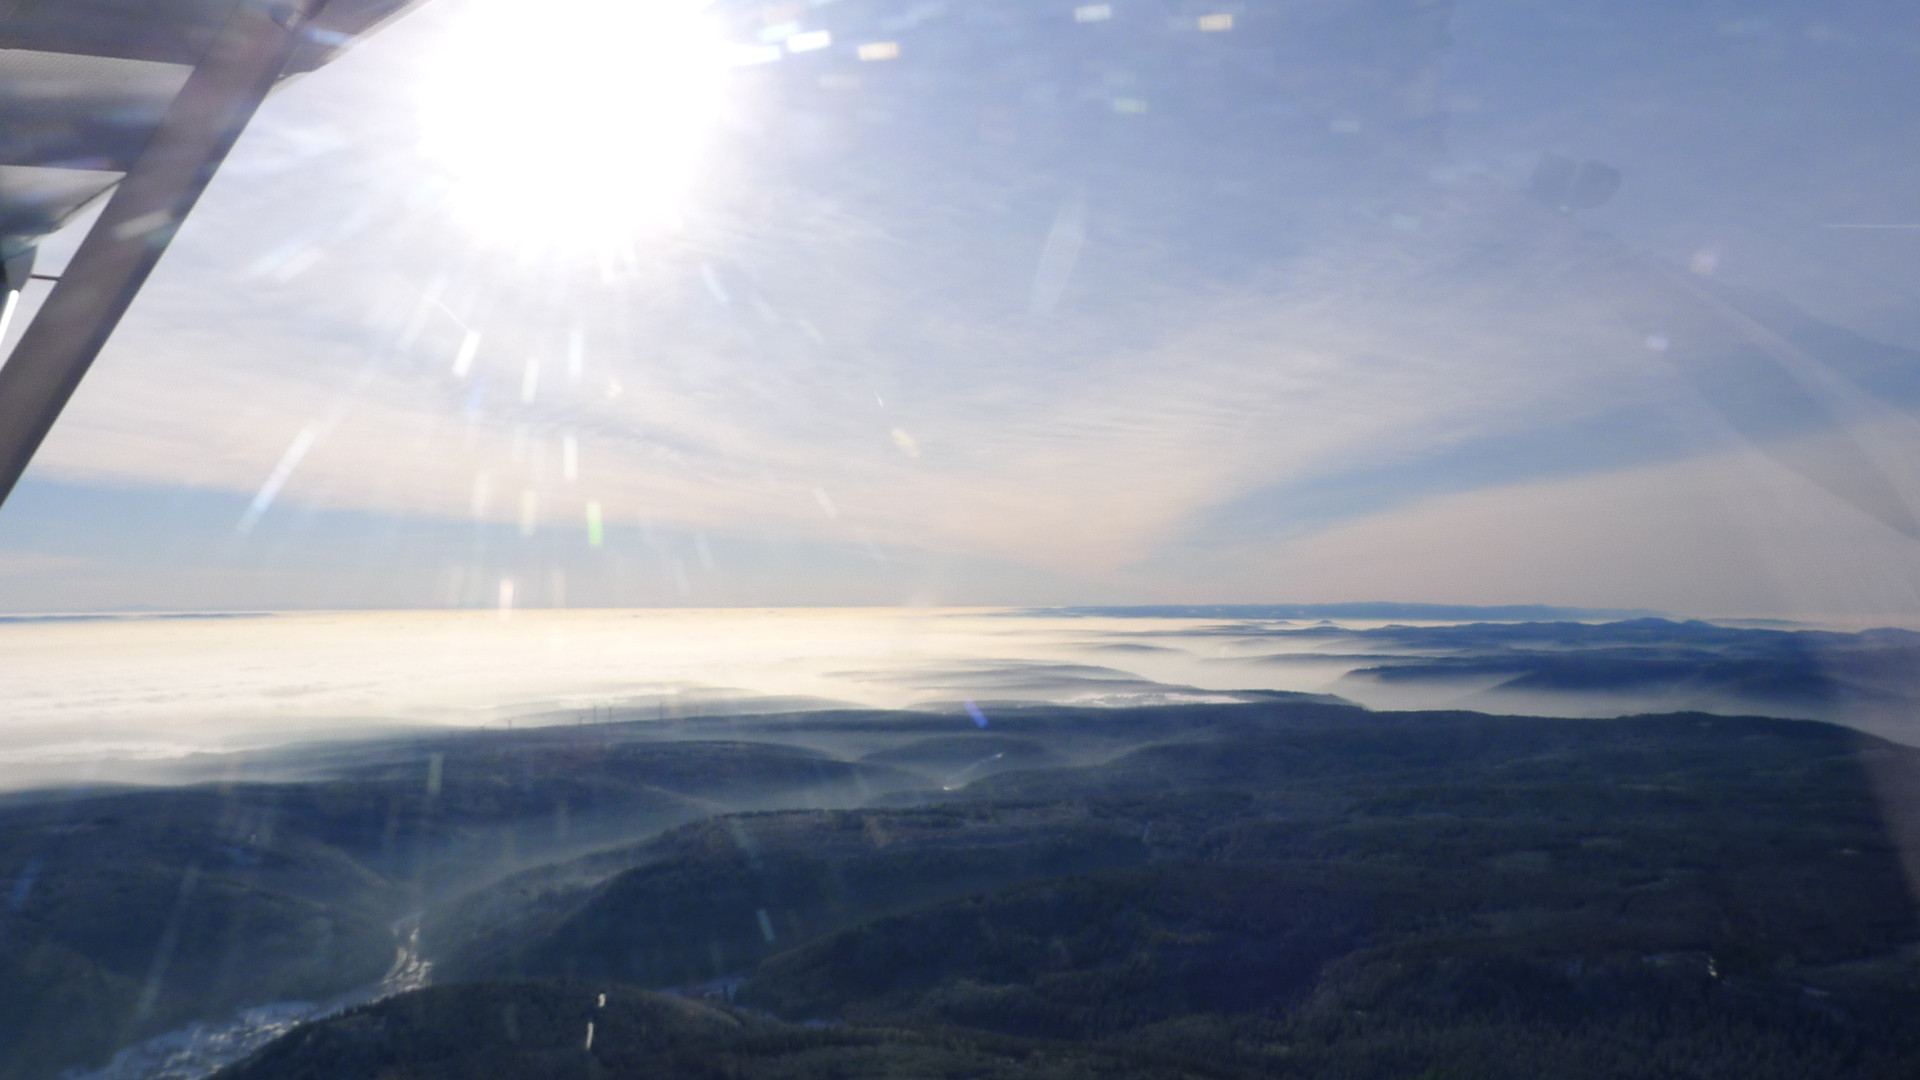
(148, 697)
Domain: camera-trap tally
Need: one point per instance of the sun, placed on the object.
(572, 123)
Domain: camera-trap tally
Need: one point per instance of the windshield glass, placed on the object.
(899, 537)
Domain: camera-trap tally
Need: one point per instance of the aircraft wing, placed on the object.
(141, 98)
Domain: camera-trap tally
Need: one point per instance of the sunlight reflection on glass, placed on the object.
(576, 123)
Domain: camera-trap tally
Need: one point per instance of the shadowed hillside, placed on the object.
(1268, 890)
(524, 1030)
(136, 911)
(712, 899)
(1280, 888)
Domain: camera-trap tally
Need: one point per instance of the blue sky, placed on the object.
(1044, 308)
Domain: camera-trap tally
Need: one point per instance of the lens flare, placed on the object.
(575, 123)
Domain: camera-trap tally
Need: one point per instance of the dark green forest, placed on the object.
(1292, 888)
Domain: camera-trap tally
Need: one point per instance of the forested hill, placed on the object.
(1263, 890)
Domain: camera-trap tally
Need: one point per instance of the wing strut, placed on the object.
(139, 220)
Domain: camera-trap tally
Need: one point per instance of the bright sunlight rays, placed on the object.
(574, 123)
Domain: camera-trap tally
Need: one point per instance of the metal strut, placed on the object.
(87, 302)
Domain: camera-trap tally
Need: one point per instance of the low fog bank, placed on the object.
(1868, 679)
(185, 699)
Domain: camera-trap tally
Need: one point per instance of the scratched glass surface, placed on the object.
(600, 374)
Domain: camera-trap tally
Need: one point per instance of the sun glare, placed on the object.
(575, 123)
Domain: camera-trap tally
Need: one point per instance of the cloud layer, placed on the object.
(106, 697)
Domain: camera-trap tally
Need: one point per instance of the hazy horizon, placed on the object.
(135, 697)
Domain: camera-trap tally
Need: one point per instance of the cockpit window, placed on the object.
(882, 537)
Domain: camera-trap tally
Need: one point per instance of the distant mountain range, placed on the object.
(1381, 609)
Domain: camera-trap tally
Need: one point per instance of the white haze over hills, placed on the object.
(170, 697)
